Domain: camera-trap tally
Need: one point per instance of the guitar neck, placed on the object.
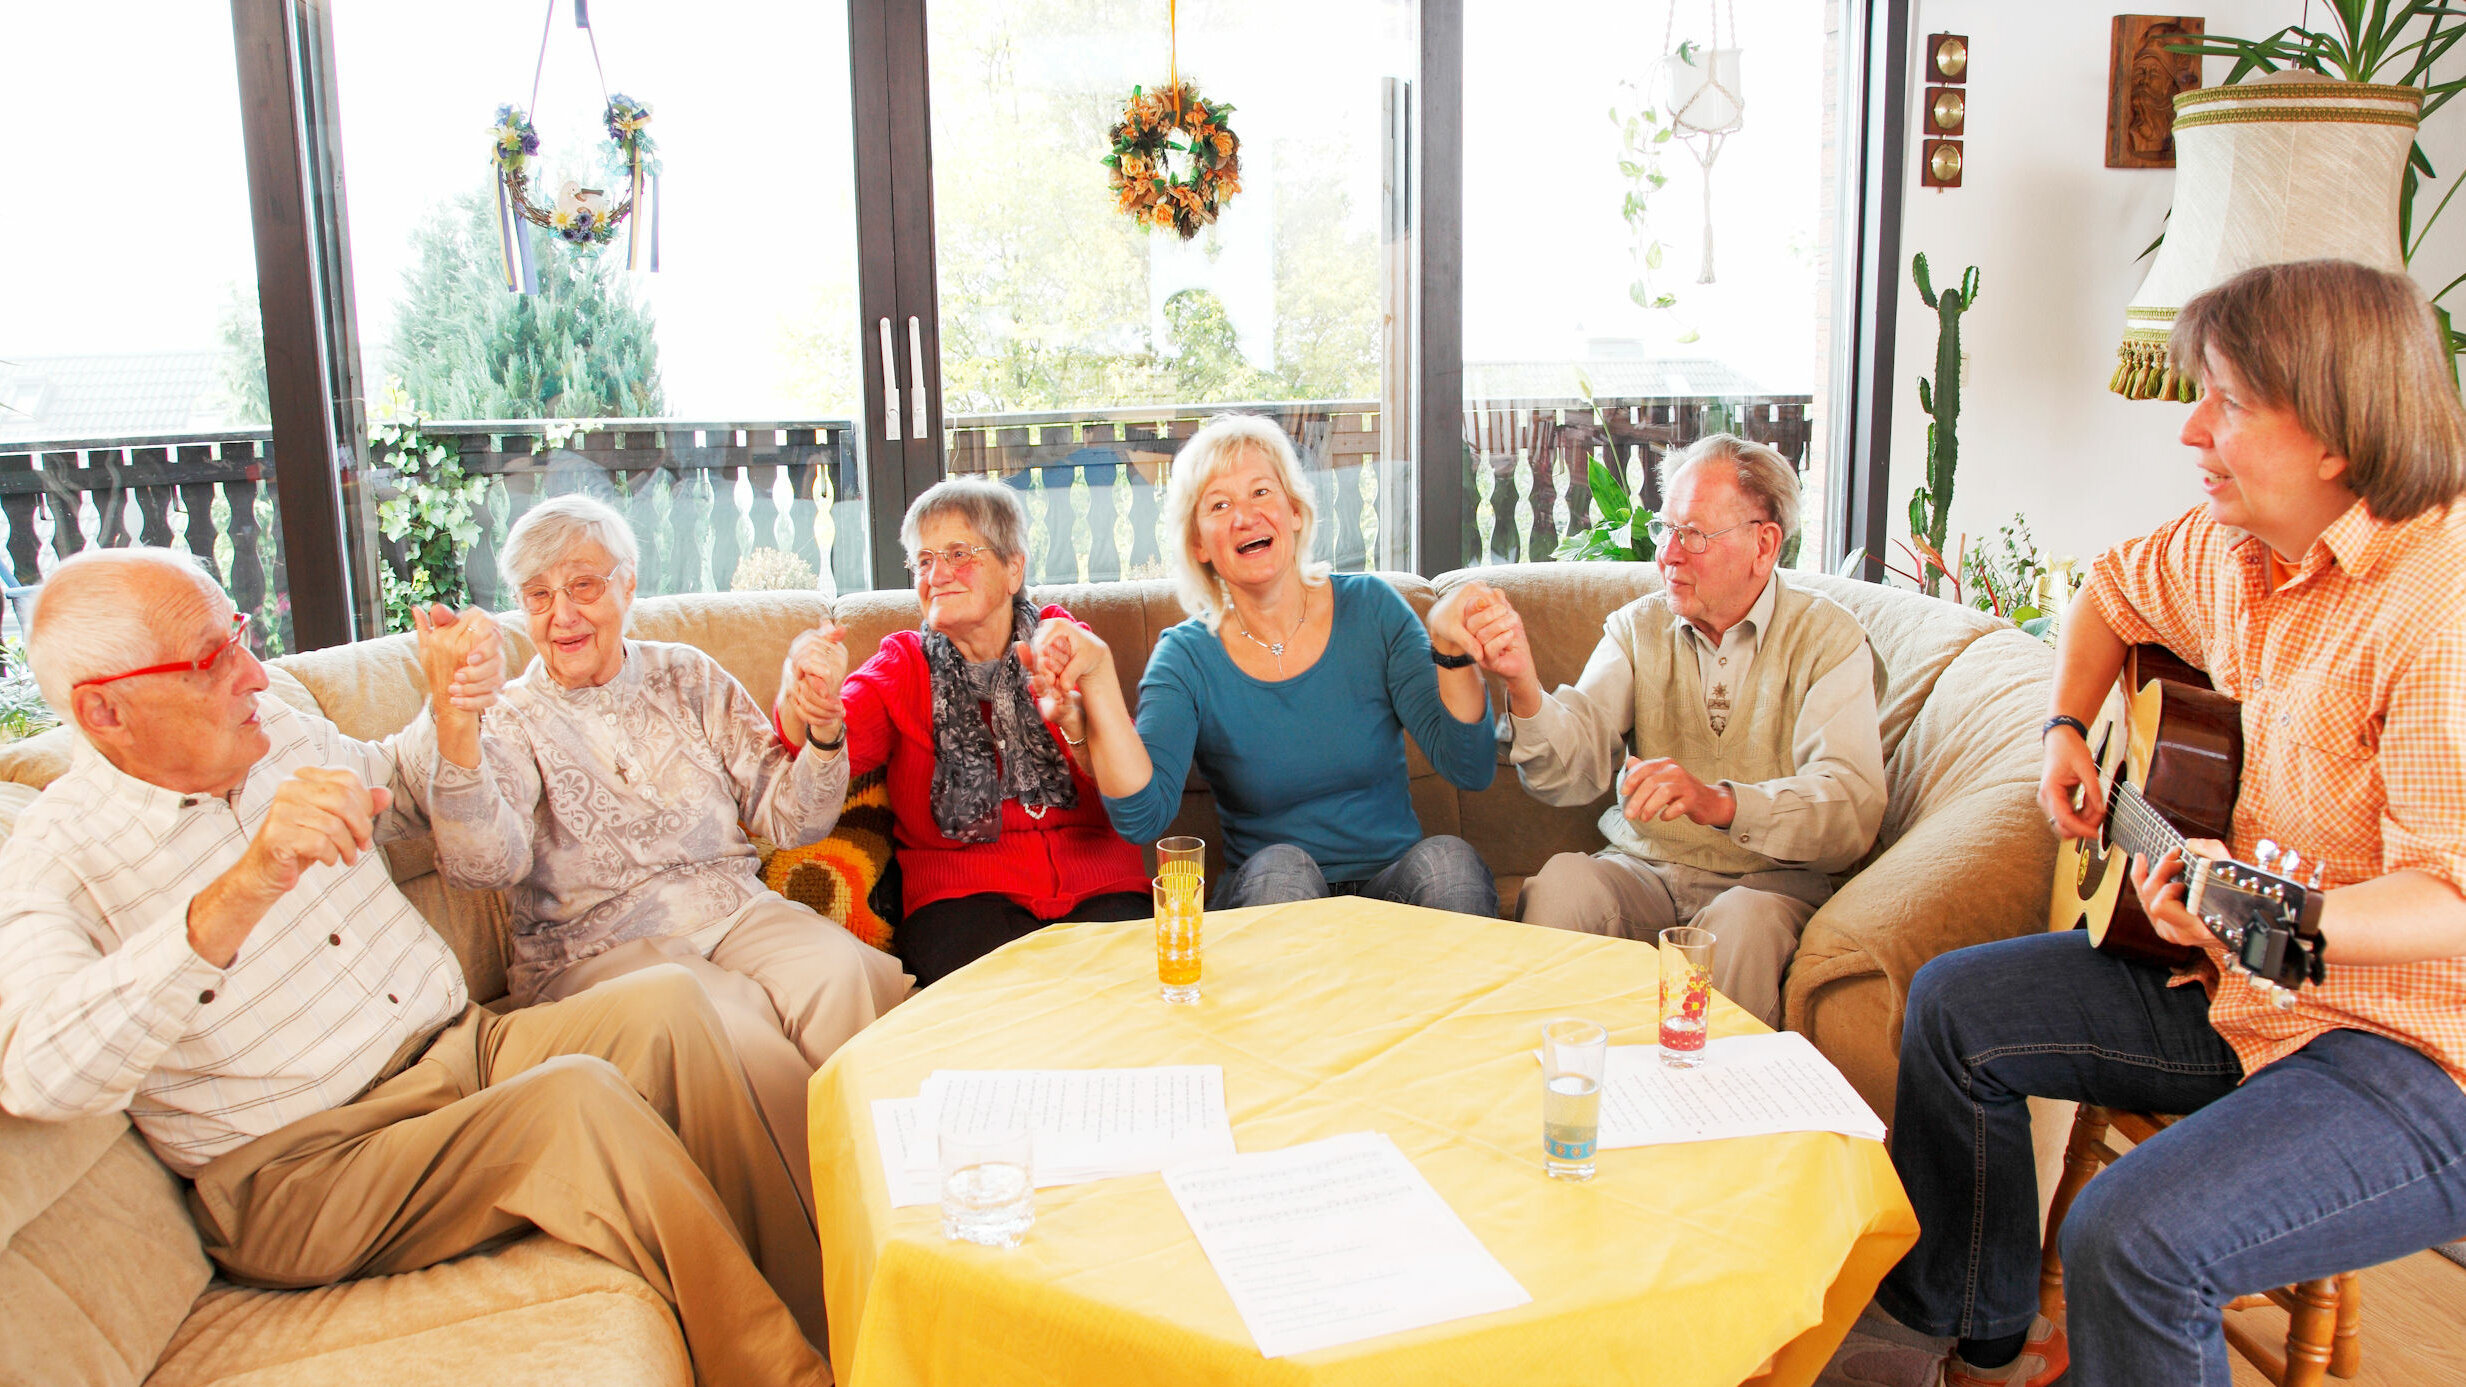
(2135, 827)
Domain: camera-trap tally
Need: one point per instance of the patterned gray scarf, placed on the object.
(970, 780)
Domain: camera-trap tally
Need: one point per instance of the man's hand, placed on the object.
(2161, 889)
(462, 655)
(1662, 789)
(1496, 630)
(2069, 771)
(318, 816)
(809, 700)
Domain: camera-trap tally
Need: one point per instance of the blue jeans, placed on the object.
(1442, 873)
(2347, 1153)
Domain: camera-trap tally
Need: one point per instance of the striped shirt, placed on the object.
(2352, 677)
(103, 1004)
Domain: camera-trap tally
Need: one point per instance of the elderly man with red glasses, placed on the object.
(194, 929)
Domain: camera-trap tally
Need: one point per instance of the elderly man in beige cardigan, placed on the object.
(1736, 715)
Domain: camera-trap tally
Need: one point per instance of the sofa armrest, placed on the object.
(1977, 869)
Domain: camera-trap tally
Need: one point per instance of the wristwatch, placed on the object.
(1450, 661)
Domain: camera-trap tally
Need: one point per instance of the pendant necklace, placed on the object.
(1277, 649)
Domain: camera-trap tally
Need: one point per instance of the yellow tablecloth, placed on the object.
(1682, 1264)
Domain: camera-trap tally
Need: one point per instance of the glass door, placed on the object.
(710, 384)
(1078, 347)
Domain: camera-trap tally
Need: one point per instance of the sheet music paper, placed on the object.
(1335, 1241)
(1747, 1085)
(1090, 1124)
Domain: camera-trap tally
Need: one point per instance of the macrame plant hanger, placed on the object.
(1711, 110)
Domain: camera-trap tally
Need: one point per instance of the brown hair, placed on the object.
(2354, 352)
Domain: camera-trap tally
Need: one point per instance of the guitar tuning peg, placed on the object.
(2281, 998)
(2314, 883)
(2266, 853)
(2288, 863)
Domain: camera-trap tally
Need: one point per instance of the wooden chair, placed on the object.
(2323, 1316)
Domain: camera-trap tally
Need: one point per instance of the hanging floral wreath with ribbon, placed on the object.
(1157, 188)
(581, 216)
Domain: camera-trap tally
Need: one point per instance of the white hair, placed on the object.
(1227, 439)
(1763, 475)
(97, 615)
(989, 508)
(554, 528)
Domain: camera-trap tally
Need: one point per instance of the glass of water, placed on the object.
(988, 1185)
(1575, 1054)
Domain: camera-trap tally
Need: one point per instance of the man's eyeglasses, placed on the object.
(582, 591)
(960, 559)
(1687, 537)
(239, 627)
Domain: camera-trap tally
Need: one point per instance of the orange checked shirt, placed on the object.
(2352, 676)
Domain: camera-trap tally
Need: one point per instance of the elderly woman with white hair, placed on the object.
(999, 831)
(626, 774)
(1292, 689)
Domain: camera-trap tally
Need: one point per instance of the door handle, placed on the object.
(890, 388)
(916, 378)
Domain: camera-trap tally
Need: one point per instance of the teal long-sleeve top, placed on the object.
(1316, 760)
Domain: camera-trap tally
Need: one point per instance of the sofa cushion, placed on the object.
(536, 1311)
(838, 876)
(98, 1259)
(37, 760)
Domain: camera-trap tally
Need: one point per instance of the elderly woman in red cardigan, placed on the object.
(999, 830)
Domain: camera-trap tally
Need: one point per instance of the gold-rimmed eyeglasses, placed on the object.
(959, 559)
(582, 591)
(204, 665)
(1689, 538)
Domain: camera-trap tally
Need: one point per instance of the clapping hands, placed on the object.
(809, 707)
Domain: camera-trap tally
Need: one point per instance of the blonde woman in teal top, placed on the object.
(1291, 690)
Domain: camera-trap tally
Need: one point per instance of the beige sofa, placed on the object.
(101, 1277)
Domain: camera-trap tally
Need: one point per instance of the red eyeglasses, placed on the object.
(239, 627)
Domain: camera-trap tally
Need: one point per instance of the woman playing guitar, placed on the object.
(2319, 586)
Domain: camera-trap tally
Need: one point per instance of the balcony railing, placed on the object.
(701, 495)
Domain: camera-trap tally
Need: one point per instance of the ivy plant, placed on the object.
(432, 511)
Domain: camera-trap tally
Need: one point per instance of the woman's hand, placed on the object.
(1448, 617)
(1496, 636)
(462, 655)
(809, 707)
(1059, 659)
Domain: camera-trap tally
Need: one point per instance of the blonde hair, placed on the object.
(1762, 473)
(1226, 440)
(2354, 352)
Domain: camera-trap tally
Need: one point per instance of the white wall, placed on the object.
(2054, 233)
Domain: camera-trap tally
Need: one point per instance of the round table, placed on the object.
(1699, 1263)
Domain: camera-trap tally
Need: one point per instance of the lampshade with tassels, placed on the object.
(2287, 166)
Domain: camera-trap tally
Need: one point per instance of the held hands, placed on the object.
(1477, 619)
(2071, 771)
(462, 655)
(2161, 888)
(1059, 659)
(1662, 789)
(809, 699)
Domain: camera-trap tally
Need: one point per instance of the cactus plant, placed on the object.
(1930, 506)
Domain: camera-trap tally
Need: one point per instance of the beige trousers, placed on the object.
(618, 1122)
(1755, 918)
(791, 986)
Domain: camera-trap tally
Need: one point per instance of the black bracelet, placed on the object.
(832, 745)
(1450, 661)
(2063, 720)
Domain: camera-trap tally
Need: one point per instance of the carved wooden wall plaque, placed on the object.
(2142, 81)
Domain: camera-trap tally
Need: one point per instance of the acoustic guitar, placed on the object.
(2170, 764)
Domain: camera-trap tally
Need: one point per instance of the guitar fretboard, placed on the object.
(2135, 827)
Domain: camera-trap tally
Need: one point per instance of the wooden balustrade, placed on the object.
(700, 495)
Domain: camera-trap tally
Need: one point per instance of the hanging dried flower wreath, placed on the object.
(583, 218)
(1154, 186)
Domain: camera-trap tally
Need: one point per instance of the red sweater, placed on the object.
(1047, 865)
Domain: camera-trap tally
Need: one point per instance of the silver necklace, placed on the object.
(1276, 649)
